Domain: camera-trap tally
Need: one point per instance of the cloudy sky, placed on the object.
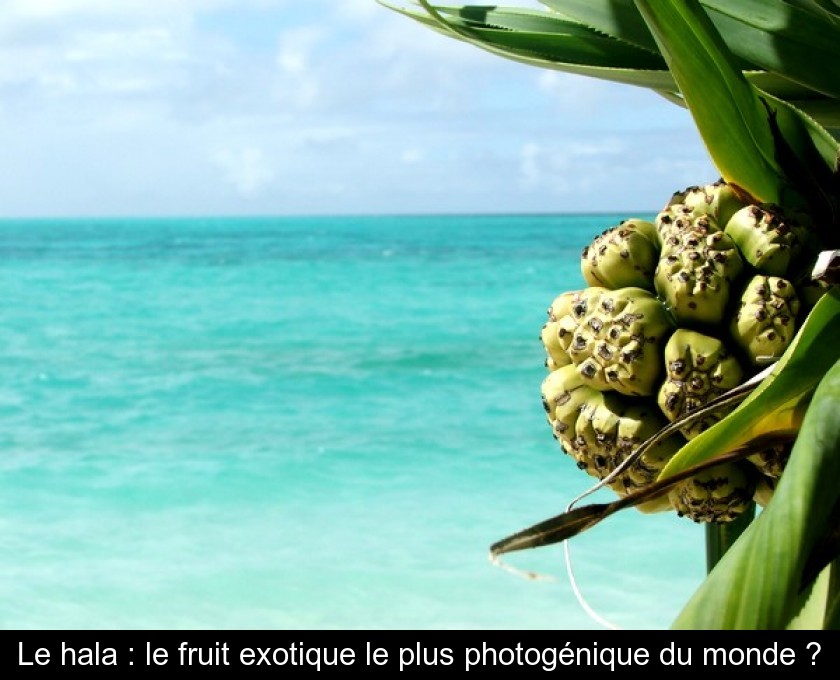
(207, 107)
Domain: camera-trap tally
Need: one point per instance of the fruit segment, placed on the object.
(768, 239)
(618, 341)
(718, 494)
(766, 319)
(698, 369)
(623, 256)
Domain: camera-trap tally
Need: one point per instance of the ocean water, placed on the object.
(299, 423)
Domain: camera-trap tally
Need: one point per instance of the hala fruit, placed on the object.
(677, 312)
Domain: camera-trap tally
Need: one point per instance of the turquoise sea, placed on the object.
(299, 423)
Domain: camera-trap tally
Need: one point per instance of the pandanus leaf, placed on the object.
(760, 582)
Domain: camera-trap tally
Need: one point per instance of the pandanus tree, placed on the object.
(698, 369)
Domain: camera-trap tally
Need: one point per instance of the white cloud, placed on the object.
(571, 92)
(147, 43)
(295, 49)
(529, 164)
(299, 83)
(17, 10)
(412, 156)
(165, 103)
(248, 169)
(566, 165)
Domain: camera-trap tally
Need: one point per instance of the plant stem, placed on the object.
(721, 537)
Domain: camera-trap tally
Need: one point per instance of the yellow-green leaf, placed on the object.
(726, 109)
(759, 584)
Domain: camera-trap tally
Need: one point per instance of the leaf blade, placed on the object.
(725, 107)
(757, 584)
(783, 37)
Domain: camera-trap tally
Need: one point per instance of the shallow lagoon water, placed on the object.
(299, 423)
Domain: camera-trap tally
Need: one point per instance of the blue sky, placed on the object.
(218, 107)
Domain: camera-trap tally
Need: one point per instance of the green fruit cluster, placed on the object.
(676, 312)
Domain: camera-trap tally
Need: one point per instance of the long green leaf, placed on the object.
(520, 20)
(587, 49)
(523, 19)
(779, 36)
(547, 42)
(832, 608)
(757, 142)
(725, 107)
(758, 583)
(784, 37)
(810, 159)
(618, 18)
(462, 23)
(811, 605)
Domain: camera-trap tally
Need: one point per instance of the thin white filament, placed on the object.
(595, 616)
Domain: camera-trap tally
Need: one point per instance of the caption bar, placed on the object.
(466, 652)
